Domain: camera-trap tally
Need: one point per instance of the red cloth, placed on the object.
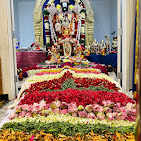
(30, 58)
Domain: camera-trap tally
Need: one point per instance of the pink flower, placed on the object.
(28, 115)
(72, 107)
(120, 118)
(18, 108)
(22, 114)
(115, 114)
(56, 111)
(55, 104)
(74, 114)
(12, 116)
(91, 115)
(110, 116)
(98, 108)
(101, 116)
(64, 111)
(131, 118)
(108, 103)
(29, 108)
(133, 111)
(24, 107)
(129, 111)
(46, 107)
(89, 108)
(42, 104)
(116, 107)
(82, 113)
(35, 104)
(64, 105)
(123, 110)
(35, 108)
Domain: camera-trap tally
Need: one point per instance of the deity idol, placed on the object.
(62, 20)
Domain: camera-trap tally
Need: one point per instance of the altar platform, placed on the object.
(109, 59)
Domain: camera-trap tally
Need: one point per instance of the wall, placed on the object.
(16, 19)
(102, 18)
(24, 29)
(105, 12)
(26, 23)
(113, 17)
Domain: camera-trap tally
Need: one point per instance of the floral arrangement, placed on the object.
(80, 65)
(19, 135)
(66, 72)
(109, 110)
(55, 84)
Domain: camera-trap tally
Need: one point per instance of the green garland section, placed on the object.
(66, 128)
(71, 84)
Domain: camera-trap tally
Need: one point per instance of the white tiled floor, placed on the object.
(4, 109)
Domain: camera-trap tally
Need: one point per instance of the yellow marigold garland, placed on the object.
(8, 135)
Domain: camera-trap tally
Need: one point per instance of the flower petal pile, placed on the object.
(71, 102)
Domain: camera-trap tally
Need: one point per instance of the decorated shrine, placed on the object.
(64, 96)
(65, 27)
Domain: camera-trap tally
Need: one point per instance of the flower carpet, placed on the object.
(69, 104)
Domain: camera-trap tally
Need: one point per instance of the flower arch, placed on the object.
(38, 20)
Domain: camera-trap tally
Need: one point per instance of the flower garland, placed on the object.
(53, 34)
(109, 111)
(65, 128)
(81, 97)
(73, 120)
(78, 28)
(58, 70)
(46, 77)
(56, 84)
(5, 134)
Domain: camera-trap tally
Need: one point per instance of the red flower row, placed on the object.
(80, 82)
(81, 97)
